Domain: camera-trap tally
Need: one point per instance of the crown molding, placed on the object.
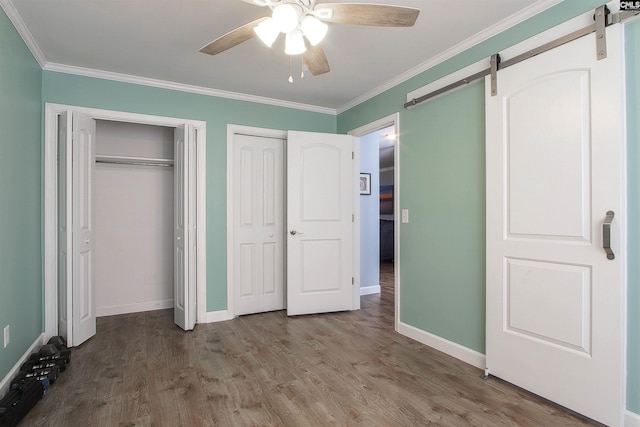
(476, 39)
(163, 84)
(15, 18)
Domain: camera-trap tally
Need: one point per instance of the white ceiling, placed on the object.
(160, 39)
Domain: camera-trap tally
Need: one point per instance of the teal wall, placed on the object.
(633, 163)
(217, 113)
(442, 261)
(20, 196)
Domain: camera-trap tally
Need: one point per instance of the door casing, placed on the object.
(51, 196)
(384, 122)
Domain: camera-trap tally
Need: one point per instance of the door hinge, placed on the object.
(353, 218)
(353, 155)
(353, 281)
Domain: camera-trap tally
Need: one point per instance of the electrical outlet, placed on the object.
(6, 336)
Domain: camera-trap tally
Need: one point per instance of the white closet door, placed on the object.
(65, 316)
(258, 224)
(83, 159)
(184, 275)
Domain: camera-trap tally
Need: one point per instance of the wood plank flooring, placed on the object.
(340, 369)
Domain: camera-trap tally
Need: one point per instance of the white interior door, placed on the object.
(258, 223)
(83, 161)
(320, 215)
(184, 231)
(554, 169)
(65, 316)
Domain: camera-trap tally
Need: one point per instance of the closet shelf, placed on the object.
(137, 161)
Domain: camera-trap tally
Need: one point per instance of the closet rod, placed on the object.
(135, 161)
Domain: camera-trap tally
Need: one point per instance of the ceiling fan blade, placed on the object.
(378, 15)
(232, 38)
(315, 59)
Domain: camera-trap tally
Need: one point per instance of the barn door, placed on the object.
(555, 202)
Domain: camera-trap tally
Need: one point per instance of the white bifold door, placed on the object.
(184, 220)
(555, 204)
(76, 159)
(292, 223)
(76, 291)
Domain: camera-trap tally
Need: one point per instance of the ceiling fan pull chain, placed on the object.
(290, 71)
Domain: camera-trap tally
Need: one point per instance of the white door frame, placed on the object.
(274, 133)
(390, 120)
(50, 219)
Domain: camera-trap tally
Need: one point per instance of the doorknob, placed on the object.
(294, 232)
(606, 235)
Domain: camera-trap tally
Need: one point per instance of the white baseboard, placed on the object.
(113, 310)
(369, 290)
(458, 351)
(215, 316)
(6, 381)
(631, 419)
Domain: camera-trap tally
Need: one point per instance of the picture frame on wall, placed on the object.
(365, 184)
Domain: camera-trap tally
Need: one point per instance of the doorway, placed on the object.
(379, 237)
(191, 167)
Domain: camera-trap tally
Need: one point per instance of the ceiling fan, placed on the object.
(304, 24)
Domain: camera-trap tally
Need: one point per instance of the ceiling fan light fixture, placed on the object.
(294, 43)
(267, 32)
(313, 29)
(286, 17)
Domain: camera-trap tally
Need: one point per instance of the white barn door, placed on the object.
(320, 192)
(554, 158)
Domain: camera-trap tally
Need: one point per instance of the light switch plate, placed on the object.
(405, 216)
(6, 336)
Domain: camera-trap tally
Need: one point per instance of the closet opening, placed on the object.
(124, 203)
(133, 202)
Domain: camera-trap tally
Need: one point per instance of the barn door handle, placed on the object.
(606, 235)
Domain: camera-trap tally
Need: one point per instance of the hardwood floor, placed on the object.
(340, 369)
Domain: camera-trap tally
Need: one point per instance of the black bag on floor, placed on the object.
(17, 403)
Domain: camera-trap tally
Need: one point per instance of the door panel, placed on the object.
(184, 231)
(65, 209)
(320, 183)
(258, 226)
(83, 146)
(554, 168)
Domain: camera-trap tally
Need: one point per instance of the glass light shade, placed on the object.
(267, 32)
(285, 17)
(313, 29)
(294, 43)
